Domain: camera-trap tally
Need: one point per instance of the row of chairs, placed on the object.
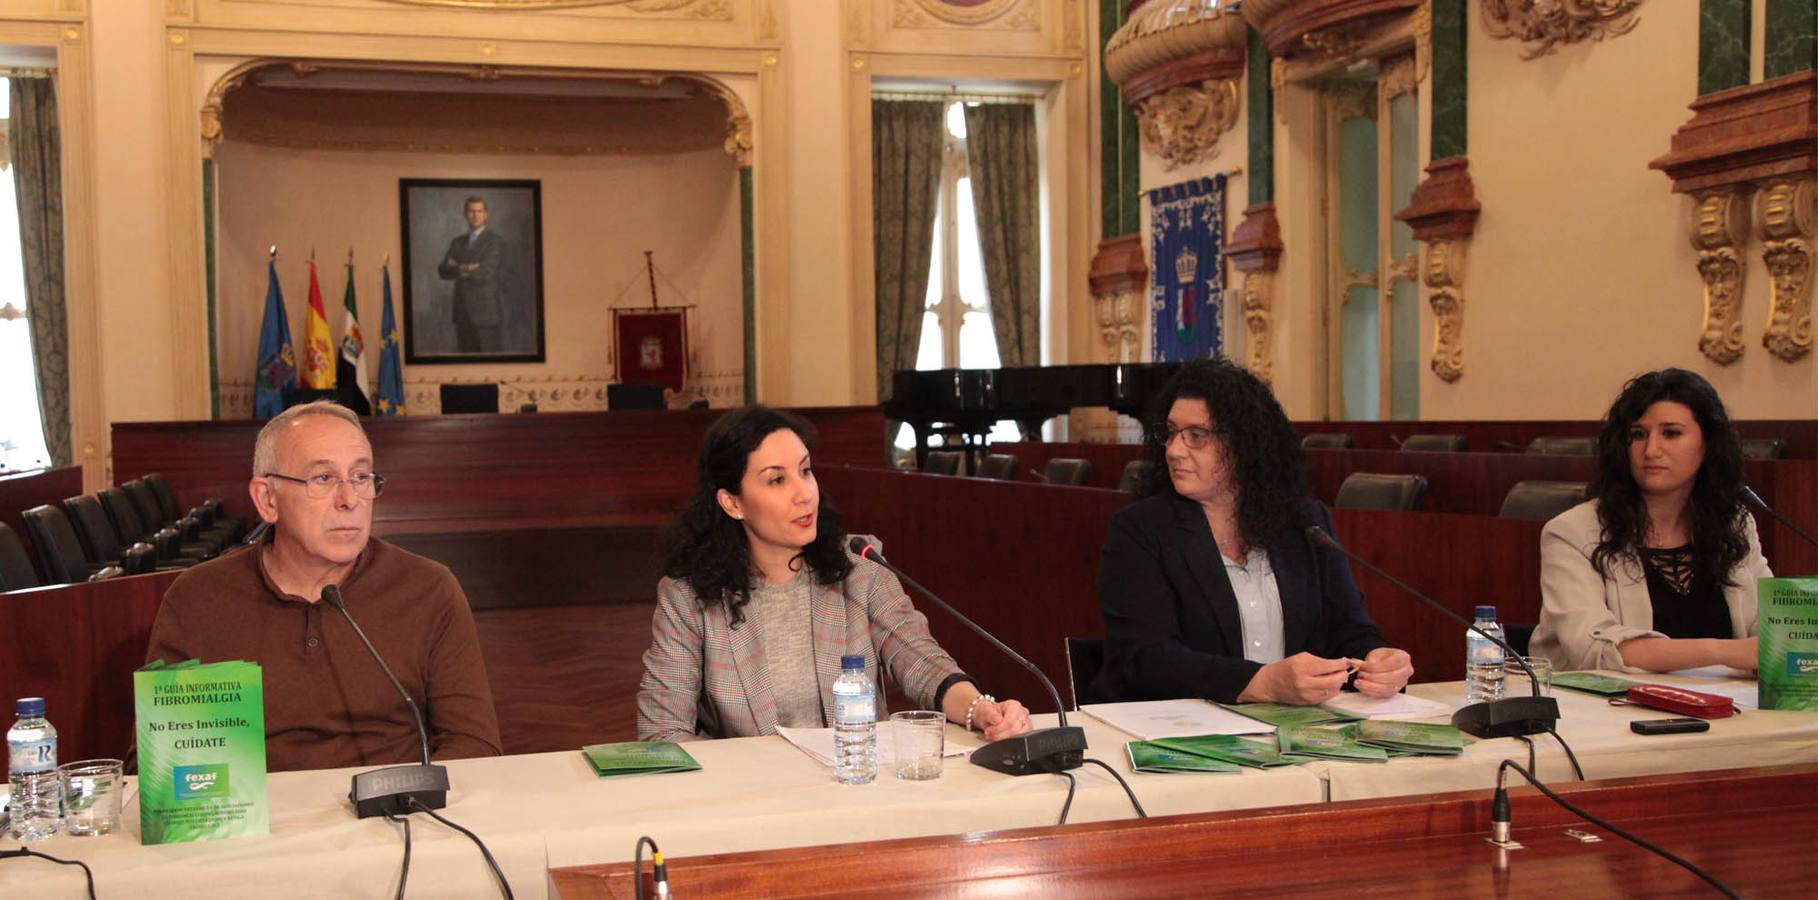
(1002, 467)
(128, 529)
(1540, 500)
(1549, 445)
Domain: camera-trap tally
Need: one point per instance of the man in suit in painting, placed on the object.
(472, 263)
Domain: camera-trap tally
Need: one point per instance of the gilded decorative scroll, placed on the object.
(1543, 25)
(1258, 297)
(1118, 314)
(1182, 124)
(1783, 220)
(1445, 293)
(1721, 229)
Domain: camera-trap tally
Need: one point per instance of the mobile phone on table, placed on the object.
(1681, 725)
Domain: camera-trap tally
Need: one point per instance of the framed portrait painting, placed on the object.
(473, 270)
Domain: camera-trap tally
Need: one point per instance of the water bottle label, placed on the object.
(32, 756)
(857, 708)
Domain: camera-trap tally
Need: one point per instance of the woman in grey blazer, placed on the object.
(760, 599)
(1657, 571)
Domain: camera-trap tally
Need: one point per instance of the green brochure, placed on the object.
(1593, 683)
(1412, 737)
(1327, 743)
(1788, 629)
(1286, 715)
(1146, 756)
(639, 758)
(201, 739)
(1228, 748)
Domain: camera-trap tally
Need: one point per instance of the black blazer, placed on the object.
(1171, 622)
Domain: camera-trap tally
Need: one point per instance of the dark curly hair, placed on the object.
(1719, 541)
(709, 549)
(1261, 445)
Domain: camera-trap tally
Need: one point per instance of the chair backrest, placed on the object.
(1135, 472)
(1541, 500)
(1064, 470)
(636, 395)
(942, 462)
(1519, 635)
(471, 398)
(16, 571)
(1327, 441)
(144, 503)
(59, 550)
(99, 539)
(165, 494)
(1370, 490)
(1434, 443)
(1763, 448)
(1085, 657)
(998, 466)
(121, 512)
(1556, 445)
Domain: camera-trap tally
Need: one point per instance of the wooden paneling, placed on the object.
(21, 491)
(1745, 826)
(492, 472)
(76, 646)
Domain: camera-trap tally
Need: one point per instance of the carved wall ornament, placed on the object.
(1351, 99)
(1334, 43)
(1784, 221)
(1182, 124)
(1258, 298)
(1118, 315)
(1721, 231)
(696, 8)
(1445, 293)
(923, 13)
(1399, 75)
(1119, 281)
(1543, 25)
(1443, 213)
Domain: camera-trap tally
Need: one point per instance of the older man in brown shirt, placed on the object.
(327, 704)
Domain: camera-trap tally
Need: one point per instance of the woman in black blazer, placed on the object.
(1209, 586)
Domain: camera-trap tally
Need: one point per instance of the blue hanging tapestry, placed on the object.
(1187, 234)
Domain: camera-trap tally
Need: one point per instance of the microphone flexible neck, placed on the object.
(332, 594)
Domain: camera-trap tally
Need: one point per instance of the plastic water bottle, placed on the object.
(854, 723)
(37, 789)
(1483, 659)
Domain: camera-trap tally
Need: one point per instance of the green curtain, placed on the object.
(906, 138)
(38, 184)
(1000, 153)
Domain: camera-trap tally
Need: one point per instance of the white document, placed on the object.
(1400, 706)
(818, 743)
(1151, 719)
(1724, 681)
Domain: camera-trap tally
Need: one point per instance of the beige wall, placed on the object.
(599, 215)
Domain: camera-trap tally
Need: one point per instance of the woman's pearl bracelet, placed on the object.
(974, 705)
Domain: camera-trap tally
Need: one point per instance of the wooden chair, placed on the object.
(1370, 490)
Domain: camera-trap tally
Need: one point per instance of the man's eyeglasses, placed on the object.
(1195, 436)
(366, 485)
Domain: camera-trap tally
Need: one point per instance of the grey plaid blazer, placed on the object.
(705, 679)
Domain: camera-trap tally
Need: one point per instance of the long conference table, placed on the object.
(544, 812)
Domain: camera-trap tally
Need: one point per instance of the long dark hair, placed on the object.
(1263, 450)
(708, 548)
(1715, 507)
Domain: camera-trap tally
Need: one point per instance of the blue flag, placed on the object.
(277, 374)
(391, 365)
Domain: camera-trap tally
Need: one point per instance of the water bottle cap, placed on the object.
(1486, 612)
(29, 706)
(853, 661)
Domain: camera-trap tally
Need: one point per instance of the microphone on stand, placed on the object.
(396, 790)
(1508, 717)
(1754, 499)
(1042, 750)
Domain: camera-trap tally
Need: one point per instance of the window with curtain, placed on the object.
(21, 427)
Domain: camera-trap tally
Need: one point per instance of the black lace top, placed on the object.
(1686, 604)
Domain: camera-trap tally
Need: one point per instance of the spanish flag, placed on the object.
(318, 351)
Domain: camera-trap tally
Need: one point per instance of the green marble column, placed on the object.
(1723, 44)
(1449, 125)
(1792, 37)
(1261, 109)
(1120, 182)
(748, 275)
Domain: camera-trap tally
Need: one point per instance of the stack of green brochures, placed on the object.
(1147, 756)
(1327, 743)
(1411, 737)
(1286, 715)
(1593, 683)
(1228, 748)
(639, 758)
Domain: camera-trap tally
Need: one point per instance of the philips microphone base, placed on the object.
(1508, 717)
(1036, 752)
(389, 791)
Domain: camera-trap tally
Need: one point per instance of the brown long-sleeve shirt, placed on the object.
(327, 704)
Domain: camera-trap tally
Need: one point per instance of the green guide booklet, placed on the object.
(1327, 743)
(1147, 756)
(1788, 630)
(1417, 738)
(1286, 715)
(201, 739)
(638, 758)
(1227, 748)
(1593, 683)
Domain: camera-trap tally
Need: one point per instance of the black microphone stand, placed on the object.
(396, 790)
(1040, 751)
(1748, 493)
(1508, 717)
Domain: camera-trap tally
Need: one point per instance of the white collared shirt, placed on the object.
(1258, 605)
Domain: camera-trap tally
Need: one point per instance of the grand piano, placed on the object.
(963, 404)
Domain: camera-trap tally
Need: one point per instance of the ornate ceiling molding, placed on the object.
(1179, 64)
(1542, 25)
(1327, 29)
